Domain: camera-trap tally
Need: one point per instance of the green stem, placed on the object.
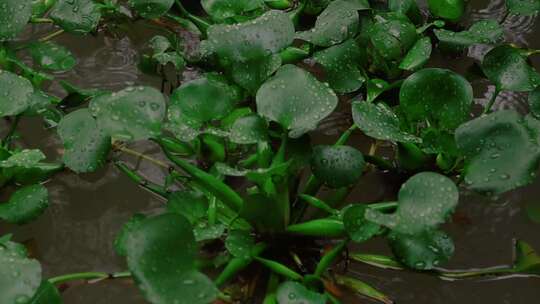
(88, 276)
(328, 259)
(379, 162)
(143, 156)
(386, 206)
(212, 210)
(487, 109)
(202, 24)
(51, 36)
(143, 182)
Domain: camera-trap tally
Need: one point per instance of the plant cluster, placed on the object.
(273, 70)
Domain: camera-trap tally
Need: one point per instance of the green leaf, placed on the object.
(20, 276)
(392, 35)
(357, 226)
(192, 205)
(76, 16)
(534, 102)
(417, 56)
(526, 260)
(296, 100)
(14, 15)
(501, 152)
(121, 238)
(508, 69)
(51, 56)
(161, 253)
(439, 96)
(424, 202)
(240, 243)
(408, 8)
(86, 144)
(337, 23)
(134, 113)
(523, 7)
(249, 129)
(151, 9)
(380, 122)
(16, 93)
(337, 166)
(263, 212)
(205, 99)
(205, 232)
(46, 294)
(447, 9)
(481, 32)
(341, 64)
(422, 251)
(250, 74)
(25, 205)
(295, 293)
(25, 158)
(223, 9)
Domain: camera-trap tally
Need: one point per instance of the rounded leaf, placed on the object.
(205, 99)
(337, 166)
(86, 144)
(534, 102)
(134, 113)
(76, 16)
(508, 69)
(481, 32)
(447, 9)
(16, 93)
(161, 253)
(25, 205)
(357, 226)
(14, 15)
(20, 276)
(239, 243)
(249, 129)
(392, 35)
(223, 9)
(423, 251)
(151, 9)
(296, 293)
(418, 55)
(440, 96)
(296, 100)
(378, 121)
(51, 56)
(523, 7)
(190, 204)
(424, 202)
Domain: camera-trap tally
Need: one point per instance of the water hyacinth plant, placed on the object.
(244, 190)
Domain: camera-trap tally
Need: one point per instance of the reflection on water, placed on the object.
(77, 231)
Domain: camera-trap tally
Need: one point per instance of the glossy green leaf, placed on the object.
(250, 74)
(249, 129)
(25, 158)
(439, 96)
(423, 251)
(16, 93)
(380, 122)
(46, 294)
(508, 69)
(357, 226)
(408, 8)
(86, 144)
(191, 205)
(223, 9)
(526, 260)
(447, 9)
(51, 56)
(205, 232)
(501, 152)
(392, 35)
(424, 202)
(240, 243)
(161, 253)
(134, 113)
(20, 276)
(151, 9)
(523, 7)
(342, 65)
(121, 238)
(534, 102)
(296, 100)
(337, 166)
(205, 99)
(25, 205)
(337, 23)
(482, 32)
(76, 16)
(417, 56)
(14, 15)
(295, 293)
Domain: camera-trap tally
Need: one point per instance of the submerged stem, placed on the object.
(487, 109)
(87, 276)
(51, 36)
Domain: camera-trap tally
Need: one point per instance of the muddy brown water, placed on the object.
(76, 233)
